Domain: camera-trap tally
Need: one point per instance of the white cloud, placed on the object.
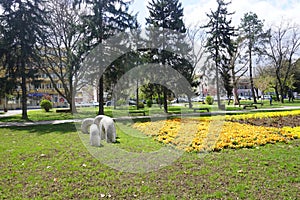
(272, 11)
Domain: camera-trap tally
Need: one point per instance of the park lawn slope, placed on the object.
(51, 162)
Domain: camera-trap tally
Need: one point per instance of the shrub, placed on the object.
(160, 101)
(121, 102)
(141, 105)
(149, 103)
(209, 100)
(46, 105)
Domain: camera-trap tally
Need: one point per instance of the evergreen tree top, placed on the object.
(106, 17)
(166, 14)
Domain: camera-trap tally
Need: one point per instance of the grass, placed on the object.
(41, 115)
(266, 103)
(51, 162)
(38, 115)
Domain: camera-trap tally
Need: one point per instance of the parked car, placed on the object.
(95, 103)
(198, 99)
(131, 102)
(266, 96)
(109, 103)
(180, 100)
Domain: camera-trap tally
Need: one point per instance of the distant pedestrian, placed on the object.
(271, 99)
(291, 96)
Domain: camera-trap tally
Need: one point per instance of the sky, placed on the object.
(273, 12)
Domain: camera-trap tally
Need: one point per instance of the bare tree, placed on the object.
(197, 39)
(281, 50)
(63, 51)
(238, 67)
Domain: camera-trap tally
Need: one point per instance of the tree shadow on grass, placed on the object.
(12, 119)
(47, 129)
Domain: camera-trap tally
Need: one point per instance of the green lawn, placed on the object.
(51, 162)
(41, 115)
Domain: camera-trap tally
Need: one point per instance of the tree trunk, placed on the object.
(190, 102)
(71, 102)
(159, 100)
(101, 98)
(71, 98)
(277, 93)
(229, 100)
(24, 92)
(236, 100)
(137, 95)
(165, 91)
(251, 76)
(281, 94)
(280, 85)
(218, 86)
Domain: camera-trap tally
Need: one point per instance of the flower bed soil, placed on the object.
(278, 122)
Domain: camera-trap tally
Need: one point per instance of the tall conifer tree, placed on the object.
(167, 15)
(252, 32)
(22, 28)
(105, 19)
(220, 44)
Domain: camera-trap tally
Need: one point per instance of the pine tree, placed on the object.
(106, 18)
(22, 29)
(220, 44)
(252, 31)
(167, 15)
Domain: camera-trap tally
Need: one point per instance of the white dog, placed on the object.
(107, 129)
(95, 135)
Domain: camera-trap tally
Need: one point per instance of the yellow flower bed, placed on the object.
(262, 115)
(291, 132)
(205, 135)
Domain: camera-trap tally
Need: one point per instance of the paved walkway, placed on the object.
(23, 124)
(10, 113)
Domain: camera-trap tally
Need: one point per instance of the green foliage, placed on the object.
(251, 29)
(220, 44)
(165, 26)
(209, 100)
(297, 76)
(104, 20)
(159, 100)
(149, 103)
(121, 102)
(141, 105)
(46, 105)
(22, 33)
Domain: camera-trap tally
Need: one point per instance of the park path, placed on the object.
(23, 124)
(11, 113)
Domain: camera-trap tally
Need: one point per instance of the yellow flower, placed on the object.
(201, 135)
